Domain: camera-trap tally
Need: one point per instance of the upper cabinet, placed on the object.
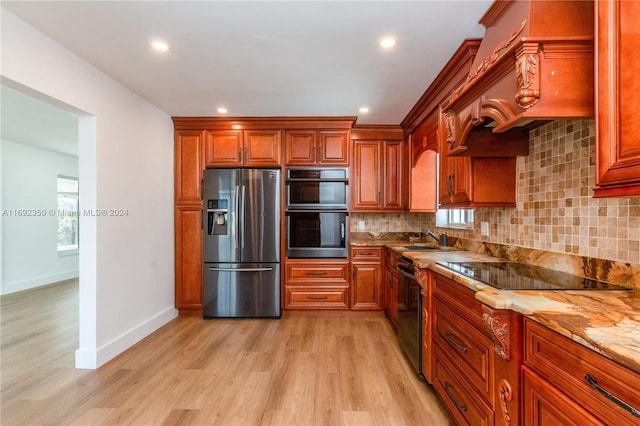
(304, 147)
(617, 118)
(422, 129)
(234, 148)
(378, 178)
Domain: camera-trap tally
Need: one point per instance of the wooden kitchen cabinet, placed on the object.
(423, 276)
(377, 180)
(249, 148)
(477, 356)
(316, 284)
(476, 181)
(617, 108)
(561, 377)
(543, 404)
(390, 286)
(188, 220)
(366, 279)
(188, 166)
(304, 147)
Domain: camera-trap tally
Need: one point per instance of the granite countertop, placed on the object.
(606, 321)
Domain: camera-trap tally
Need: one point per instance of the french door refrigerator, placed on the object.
(241, 243)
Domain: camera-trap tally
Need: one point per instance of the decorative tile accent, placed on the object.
(555, 209)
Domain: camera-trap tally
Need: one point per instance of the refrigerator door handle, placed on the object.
(240, 269)
(234, 229)
(342, 231)
(242, 216)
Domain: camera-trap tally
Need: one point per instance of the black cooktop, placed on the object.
(520, 276)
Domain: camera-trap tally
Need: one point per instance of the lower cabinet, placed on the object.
(476, 356)
(567, 383)
(366, 278)
(544, 404)
(316, 284)
(390, 286)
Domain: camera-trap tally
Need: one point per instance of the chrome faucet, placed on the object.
(443, 240)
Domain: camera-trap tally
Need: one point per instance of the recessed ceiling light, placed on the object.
(222, 110)
(387, 42)
(160, 46)
(363, 109)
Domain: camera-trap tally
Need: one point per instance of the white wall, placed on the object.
(125, 162)
(29, 180)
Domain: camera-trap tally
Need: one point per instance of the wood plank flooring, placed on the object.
(292, 371)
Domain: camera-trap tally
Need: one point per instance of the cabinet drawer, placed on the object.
(466, 407)
(544, 404)
(568, 365)
(466, 348)
(311, 273)
(316, 297)
(366, 254)
(459, 299)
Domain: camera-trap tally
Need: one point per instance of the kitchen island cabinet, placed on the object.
(617, 85)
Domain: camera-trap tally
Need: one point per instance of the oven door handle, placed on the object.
(404, 270)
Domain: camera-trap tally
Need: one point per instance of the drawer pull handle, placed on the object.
(366, 253)
(453, 342)
(594, 384)
(316, 297)
(316, 273)
(460, 406)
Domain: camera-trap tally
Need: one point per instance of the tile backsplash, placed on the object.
(555, 209)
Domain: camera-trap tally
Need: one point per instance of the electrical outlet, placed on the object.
(484, 229)
(361, 225)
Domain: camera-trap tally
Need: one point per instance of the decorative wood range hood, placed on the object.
(534, 64)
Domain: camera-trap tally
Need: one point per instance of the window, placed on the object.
(67, 214)
(455, 218)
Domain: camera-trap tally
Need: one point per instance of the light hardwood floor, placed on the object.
(296, 370)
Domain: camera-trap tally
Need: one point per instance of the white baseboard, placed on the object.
(12, 287)
(92, 359)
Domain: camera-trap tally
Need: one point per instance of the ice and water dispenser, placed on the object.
(217, 217)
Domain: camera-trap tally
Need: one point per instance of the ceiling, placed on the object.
(31, 121)
(266, 58)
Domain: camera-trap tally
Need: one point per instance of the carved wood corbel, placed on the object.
(498, 326)
(528, 75)
(450, 125)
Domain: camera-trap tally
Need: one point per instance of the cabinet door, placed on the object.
(223, 148)
(543, 404)
(393, 183)
(300, 147)
(188, 166)
(391, 296)
(262, 148)
(333, 148)
(188, 258)
(366, 286)
(367, 191)
(618, 111)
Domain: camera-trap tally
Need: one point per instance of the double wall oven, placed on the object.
(317, 212)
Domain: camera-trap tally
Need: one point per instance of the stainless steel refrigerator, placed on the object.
(241, 243)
